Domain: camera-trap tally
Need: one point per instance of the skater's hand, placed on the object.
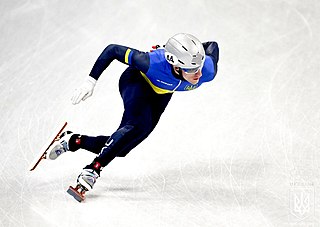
(84, 91)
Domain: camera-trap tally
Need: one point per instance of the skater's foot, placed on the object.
(87, 178)
(59, 147)
(89, 175)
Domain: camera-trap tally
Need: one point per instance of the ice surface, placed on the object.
(243, 150)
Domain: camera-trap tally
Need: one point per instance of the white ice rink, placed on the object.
(243, 150)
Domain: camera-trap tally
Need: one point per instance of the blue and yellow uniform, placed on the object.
(155, 68)
(146, 88)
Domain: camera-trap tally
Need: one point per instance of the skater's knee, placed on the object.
(143, 128)
(139, 129)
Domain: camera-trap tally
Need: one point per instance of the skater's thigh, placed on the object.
(136, 96)
(158, 106)
(132, 85)
(135, 91)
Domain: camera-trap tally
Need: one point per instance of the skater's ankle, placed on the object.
(95, 166)
(75, 142)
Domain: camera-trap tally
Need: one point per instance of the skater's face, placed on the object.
(191, 77)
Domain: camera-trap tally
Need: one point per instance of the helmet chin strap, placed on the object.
(178, 74)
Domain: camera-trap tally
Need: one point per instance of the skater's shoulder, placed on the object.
(157, 55)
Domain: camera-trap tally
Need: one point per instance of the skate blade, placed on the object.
(79, 196)
(46, 146)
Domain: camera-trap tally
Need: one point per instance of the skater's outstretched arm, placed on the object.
(126, 55)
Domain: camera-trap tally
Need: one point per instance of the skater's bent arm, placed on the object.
(212, 50)
(126, 55)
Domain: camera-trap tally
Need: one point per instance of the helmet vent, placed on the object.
(184, 50)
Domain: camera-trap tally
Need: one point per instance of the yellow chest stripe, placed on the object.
(155, 88)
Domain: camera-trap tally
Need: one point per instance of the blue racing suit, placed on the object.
(154, 67)
(146, 88)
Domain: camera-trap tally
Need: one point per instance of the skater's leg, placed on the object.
(93, 144)
(136, 121)
(158, 105)
(73, 142)
(143, 108)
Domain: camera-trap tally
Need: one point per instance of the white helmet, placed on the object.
(185, 51)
